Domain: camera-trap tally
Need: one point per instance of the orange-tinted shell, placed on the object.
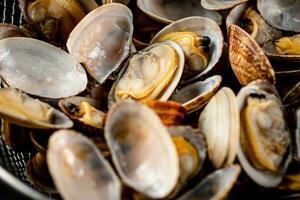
(247, 59)
(170, 113)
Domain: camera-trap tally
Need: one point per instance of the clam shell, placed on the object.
(171, 11)
(218, 122)
(202, 27)
(102, 39)
(196, 95)
(64, 105)
(40, 69)
(271, 52)
(18, 108)
(262, 177)
(220, 4)
(168, 90)
(136, 136)
(247, 59)
(215, 186)
(281, 14)
(78, 168)
(236, 14)
(170, 113)
(189, 167)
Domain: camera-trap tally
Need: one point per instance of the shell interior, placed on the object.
(20, 109)
(101, 41)
(40, 69)
(169, 11)
(78, 168)
(202, 27)
(136, 136)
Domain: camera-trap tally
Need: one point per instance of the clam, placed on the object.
(285, 48)
(281, 14)
(195, 30)
(215, 186)
(171, 11)
(36, 169)
(54, 19)
(170, 113)
(142, 149)
(248, 18)
(20, 109)
(191, 149)
(220, 4)
(247, 59)
(40, 69)
(196, 95)
(264, 149)
(218, 122)
(83, 112)
(152, 73)
(79, 170)
(101, 41)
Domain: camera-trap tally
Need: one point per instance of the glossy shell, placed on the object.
(218, 122)
(18, 108)
(215, 186)
(40, 69)
(202, 27)
(101, 41)
(196, 95)
(170, 11)
(281, 14)
(79, 170)
(220, 4)
(136, 136)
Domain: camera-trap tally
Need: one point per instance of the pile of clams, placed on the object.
(198, 100)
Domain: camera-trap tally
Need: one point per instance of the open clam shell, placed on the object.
(247, 59)
(142, 149)
(246, 16)
(191, 148)
(196, 95)
(218, 122)
(85, 113)
(271, 51)
(170, 11)
(40, 69)
(202, 27)
(264, 150)
(79, 170)
(141, 76)
(220, 4)
(102, 39)
(281, 14)
(18, 108)
(215, 186)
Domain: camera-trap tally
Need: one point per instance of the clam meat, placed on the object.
(264, 149)
(152, 73)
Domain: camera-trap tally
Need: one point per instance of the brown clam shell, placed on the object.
(247, 59)
(170, 113)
